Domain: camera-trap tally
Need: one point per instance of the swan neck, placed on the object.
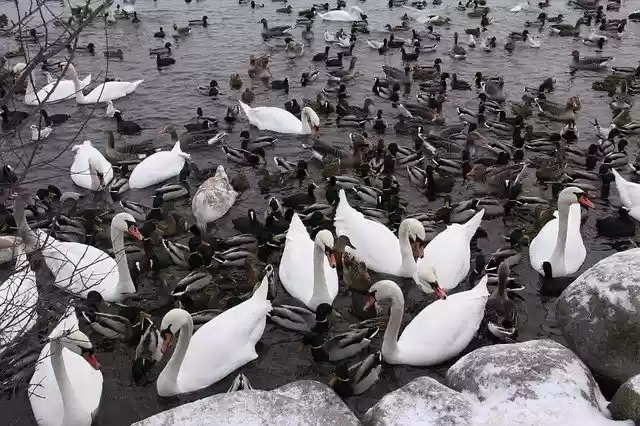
(125, 283)
(320, 293)
(76, 83)
(304, 118)
(408, 262)
(62, 378)
(390, 340)
(172, 370)
(563, 224)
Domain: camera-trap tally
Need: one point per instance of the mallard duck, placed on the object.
(302, 319)
(588, 63)
(457, 52)
(556, 112)
(355, 274)
(309, 77)
(500, 312)
(358, 378)
(567, 30)
(148, 351)
(341, 346)
(242, 156)
(235, 81)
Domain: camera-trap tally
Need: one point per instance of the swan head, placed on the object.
(125, 223)
(382, 291)
(426, 275)
(171, 324)
(417, 236)
(78, 342)
(573, 195)
(325, 240)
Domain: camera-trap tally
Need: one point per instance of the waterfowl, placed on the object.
(281, 121)
(558, 249)
(311, 285)
(457, 52)
(358, 378)
(354, 14)
(400, 252)
(166, 50)
(164, 62)
(247, 96)
(281, 84)
(211, 90)
(64, 89)
(274, 31)
(158, 167)
(110, 90)
(39, 133)
(429, 339)
(90, 170)
(318, 57)
(301, 319)
(588, 63)
(52, 120)
(126, 127)
(160, 33)
(617, 226)
(309, 77)
(180, 31)
(242, 156)
(393, 43)
(500, 312)
(238, 329)
(341, 346)
(410, 57)
(213, 199)
(565, 30)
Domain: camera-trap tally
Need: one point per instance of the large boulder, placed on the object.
(299, 403)
(539, 382)
(423, 401)
(626, 402)
(598, 316)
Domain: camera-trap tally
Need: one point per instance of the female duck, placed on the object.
(213, 199)
(104, 92)
(312, 285)
(376, 245)
(438, 333)
(282, 121)
(558, 250)
(198, 360)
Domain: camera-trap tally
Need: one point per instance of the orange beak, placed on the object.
(133, 231)
(166, 342)
(331, 257)
(438, 291)
(585, 201)
(369, 301)
(91, 359)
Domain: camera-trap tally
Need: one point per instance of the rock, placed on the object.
(539, 382)
(304, 402)
(626, 401)
(422, 401)
(598, 316)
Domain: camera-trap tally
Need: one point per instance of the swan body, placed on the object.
(64, 90)
(354, 14)
(280, 120)
(447, 255)
(213, 199)
(441, 331)
(86, 164)
(69, 384)
(104, 92)
(219, 347)
(559, 242)
(305, 271)
(629, 194)
(18, 298)
(375, 244)
(158, 167)
(80, 268)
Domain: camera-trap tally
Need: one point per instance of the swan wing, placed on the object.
(444, 328)
(112, 90)
(448, 253)
(629, 191)
(375, 244)
(296, 266)
(79, 170)
(222, 345)
(156, 168)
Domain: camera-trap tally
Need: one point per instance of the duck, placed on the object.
(39, 133)
(429, 339)
(243, 156)
(281, 121)
(410, 57)
(393, 43)
(588, 63)
(197, 361)
(180, 31)
(457, 52)
(399, 257)
(68, 377)
(110, 90)
(118, 53)
(281, 84)
(358, 378)
(158, 167)
(90, 170)
(618, 226)
(248, 96)
(501, 313)
(126, 127)
(309, 77)
(335, 62)
(160, 33)
(310, 285)
(558, 250)
(452, 244)
(213, 199)
(301, 319)
(341, 346)
(164, 62)
(165, 50)
(274, 31)
(54, 119)
(319, 57)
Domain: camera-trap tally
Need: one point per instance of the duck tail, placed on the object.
(473, 224)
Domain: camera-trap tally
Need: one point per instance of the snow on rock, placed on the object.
(423, 401)
(299, 403)
(599, 315)
(626, 401)
(535, 383)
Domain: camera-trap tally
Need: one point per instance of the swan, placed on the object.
(111, 110)
(447, 256)
(629, 194)
(307, 267)
(558, 250)
(438, 333)
(282, 121)
(520, 7)
(213, 199)
(38, 134)
(64, 90)
(104, 92)
(219, 347)
(533, 42)
(67, 383)
(354, 14)
(158, 167)
(376, 245)
(80, 268)
(90, 170)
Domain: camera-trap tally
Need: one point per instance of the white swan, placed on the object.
(438, 333)
(158, 167)
(307, 267)
(37, 134)
(67, 385)
(447, 255)
(282, 121)
(520, 7)
(90, 170)
(104, 92)
(354, 14)
(558, 250)
(218, 348)
(213, 199)
(533, 41)
(80, 268)
(64, 90)
(375, 44)
(111, 110)
(629, 194)
(376, 245)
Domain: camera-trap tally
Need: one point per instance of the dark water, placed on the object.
(170, 96)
